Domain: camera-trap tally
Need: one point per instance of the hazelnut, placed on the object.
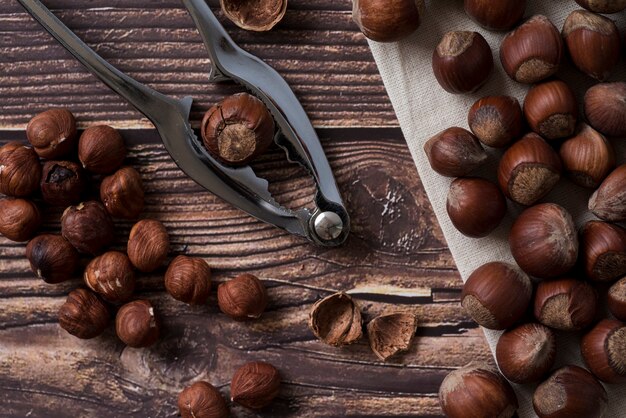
(455, 152)
(136, 324)
(496, 295)
(565, 304)
(587, 157)
(526, 353)
(605, 108)
(603, 6)
(242, 298)
(603, 251)
(62, 183)
(593, 43)
(529, 170)
(569, 392)
(477, 390)
(475, 206)
(258, 15)
(255, 385)
(52, 258)
(500, 15)
(88, 227)
(122, 193)
(533, 51)
(496, 120)
(101, 149)
(609, 201)
(543, 241)
(148, 245)
(336, 320)
(617, 299)
(238, 129)
(188, 279)
(551, 110)
(112, 276)
(20, 170)
(392, 333)
(19, 219)
(202, 400)
(382, 23)
(83, 314)
(604, 351)
(462, 62)
(52, 133)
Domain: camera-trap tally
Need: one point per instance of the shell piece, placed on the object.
(391, 334)
(255, 15)
(336, 320)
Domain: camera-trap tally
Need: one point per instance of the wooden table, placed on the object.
(396, 257)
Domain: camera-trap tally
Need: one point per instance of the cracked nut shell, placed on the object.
(242, 298)
(336, 320)
(499, 16)
(101, 149)
(391, 334)
(605, 108)
(255, 385)
(565, 304)
(604, 351)
(62, 183)
(255, 15)
(617, 299)
(88, 227)
(122, 193)
(52, 133)
(202, 400)
(188, 279)
(609, 201)
(496, 120)
(382, 21)
(148, 245)
(20, 171)
(603, 251)
(551, 110)
(52, 258)
(19, 219)
(111, 275)
(83, 314)
(454, 152)
(136, 324)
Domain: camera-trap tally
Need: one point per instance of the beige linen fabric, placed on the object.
(424, 109)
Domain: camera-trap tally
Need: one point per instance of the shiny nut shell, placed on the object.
(20, 171)
(255, 385)
(609, 201)
(604, 351)
(454, 152)
(496, 120)
(136, 324)
(52, 258)
(19, 219)
(603, 251)
(148, 245)
(188, 279)
(605, 108)
(500, 15)
(387, 21)
(565, 304)
(88, 227)
(83, 314)
(202, 400)
(242, 298)
(101, 149)
(603, 6)
(551, 110)
(52, 133)
(111, 275)
(122, 193)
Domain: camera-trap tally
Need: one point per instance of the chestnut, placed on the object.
(122, 193)
(477, 390)
(543, 241)
(202, 400)
(20, 170)
(605, 108)
(617, 299)
(603, 6)
(391, 333)
(111, 275)
(454, 152)
(593, 43)
(496, 295)
(496, 120)
(587, 157)
(52, 258)
(475, 206)
(384, 21)
(136, 324)
(529, 170)
(255, 385)
(188, 279)
(88, 227)
(525, 354)
(569, 392)
(148, 245)
(604, 351)
(603, 251)
(62, 183)
(83, 314)
(19, 219)
(462, 62)
(242, 298)
(52, 133)
(499, 16)
(609, 201)
(258, 16)
(101, 149)
(533, 51)
(336, 320)
(551, 109)
(565, 304)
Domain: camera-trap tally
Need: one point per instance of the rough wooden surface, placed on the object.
(396, 257)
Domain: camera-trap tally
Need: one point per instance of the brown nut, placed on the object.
(88, 227)
(551, 110)
(382, 23)
(101, 149)
(525, 354)
(62, 183)
(188, 279)
(462, 62)
(565, 304)
(477, 390)
(52, 258)
(148, 245)
(533, 51)
(202, 400)
(617, 299)
(19, 219)
(587, 157)
(603, 6)
(52, 133)
(20, 170)
(392, 333)
(83, 314)
(454, 152)
(570, 392)
(604, 351)
(544, 242)
(609, 201)
(238, 129)
(336, 320)
(605, 108)
(496, 295)
(242, 298)
(603, 251)
(475, 206)
(496, 120)
(593, 43)
(255, 385)
(112, 276)
(500, 15)
(136, 324)
(255, 15)
(529, 170)
(122, 193)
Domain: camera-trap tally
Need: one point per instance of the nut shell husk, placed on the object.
(19, 219)
(565, 304)
(255, 385)
(52, 133)
(254, 15)
(551, 110)
(336, 320)
(604, 351)
(62, 183)
(188, 279)
(499, 16)
(52, 258)
(137, 325)
(388, 20)
(148, 245)
(88, 227)
(496, 120)
(20, 171)
(242, 298)
(455, 152)
(617, 299)
(83, 314)
(101, 149)
(603, 6)
(603, 250)
(392, 333)
(609, 201)
(202, 400)
(605, 108)
(111, 275)
(122, 193)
